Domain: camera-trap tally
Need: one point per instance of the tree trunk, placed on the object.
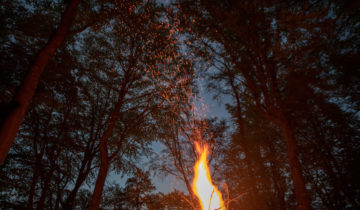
(187, 183)
(301, 194)
(32, 189)
(100, 182)
(37, 171)
(11, 124)
(104, 155)
(188, 187)
(242, 140)
(280, 194)
(69, 203)
(41, 204)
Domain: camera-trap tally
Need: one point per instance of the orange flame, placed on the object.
(208, 194)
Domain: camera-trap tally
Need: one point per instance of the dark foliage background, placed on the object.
(125, 81)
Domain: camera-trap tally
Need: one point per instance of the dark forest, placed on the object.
(251, 104)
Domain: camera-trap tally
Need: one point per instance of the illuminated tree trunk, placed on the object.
(23, 98)
(301, 193)
(187, 183)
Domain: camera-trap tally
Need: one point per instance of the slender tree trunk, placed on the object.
(11, 125)
(58, 199)
(301, 193)
(188, 187)
(242, 140)
(280, 194)
(100, 182)
(187, 183)
(34, 180)
(69, 203)
(41, 204)
(59, 189)
(104, 167)
(32, 189)
(280, 118)
(104, 155)
(83, 172)
(37, 171)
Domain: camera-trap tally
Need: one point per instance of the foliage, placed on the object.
(126, 77)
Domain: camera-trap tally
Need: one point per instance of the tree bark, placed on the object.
(275, 170)
(23, 98)
(68, 205)
(242, 140)
(187, 183)
(37, 168)
(32, 189)
(100, 182)
(84, 172)
(104, 155)
(41, 204)
(301, 193)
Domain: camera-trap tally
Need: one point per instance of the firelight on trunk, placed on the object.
(209, 196)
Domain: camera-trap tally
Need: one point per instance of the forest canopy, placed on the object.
(103, 102)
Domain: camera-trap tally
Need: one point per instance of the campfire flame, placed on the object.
(209, 196)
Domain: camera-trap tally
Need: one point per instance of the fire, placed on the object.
(208, 194)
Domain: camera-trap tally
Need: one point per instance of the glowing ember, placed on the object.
(208, 194)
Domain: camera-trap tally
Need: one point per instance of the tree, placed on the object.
(265, 44)
(61, 93)
(125, 77)
(11, 124)
(137, 193)
(93, 103)
(150, 73)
